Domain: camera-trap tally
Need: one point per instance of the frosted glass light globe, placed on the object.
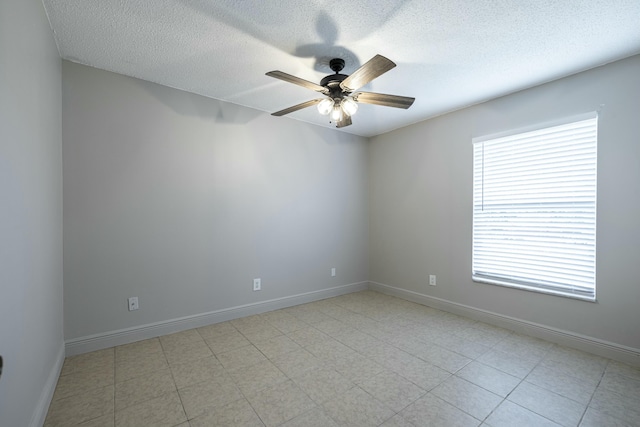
(349, 106)
(336, 113)
(325, 106)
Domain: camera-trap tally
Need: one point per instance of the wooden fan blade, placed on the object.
(297, 107)
(346, 121)
(298, 81)
(373, 68)
(383, 99)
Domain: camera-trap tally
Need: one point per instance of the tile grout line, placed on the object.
(604, 371)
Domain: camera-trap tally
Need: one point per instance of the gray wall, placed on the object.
(421, 203)
(31, 338)
(182, 200)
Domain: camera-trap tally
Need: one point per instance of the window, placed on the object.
(534, 209)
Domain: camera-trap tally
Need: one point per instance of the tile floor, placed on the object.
(363, 359)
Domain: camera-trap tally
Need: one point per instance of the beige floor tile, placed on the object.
(260, 333)
(190, 350)
(421, 373)
(389, 356)
(82, 381)
(330, 350)
(621, 384)
(331, 327)
(287, 323)
(393, 390)
(505, 362)
(257, 377)
(436, 355)
(434, 332)
(248, 322)
(357, 340)
(227, 342)
(430, 410)
(356, 368)
(107, 420)
(272, 316)
(310, 316)
(277, 346)
(570, 355)
(88, 361)
(375, 329)
(196, 371)
(616, 405)
(583, 370)
(295, 362)
(135, 367)
(280, 403)
(216, 330)
(363, 324)
(564, 385)
(483, 334)
(508, 414)
(624, 369)
(206, 397)
(144, 388)
(595, 418)
(163, 411)
(356, 407)
(81, 407)
(463, 346)
(179, 339)
(234, 414)
(322, 384)
(522, 345)
(316, 417)
(137, 350)
(468, 397)
(308, 336)
(396, 421)
(489, 378)
(558, 409)
(241, 358)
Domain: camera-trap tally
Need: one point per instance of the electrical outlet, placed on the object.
(133, 303)
(432, 279)
(257, 284)
(333, 272)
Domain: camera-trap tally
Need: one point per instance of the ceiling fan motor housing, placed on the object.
(332, 81)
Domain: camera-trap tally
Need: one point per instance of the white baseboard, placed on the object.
(151, 330)
(40, 412)
(596, 346)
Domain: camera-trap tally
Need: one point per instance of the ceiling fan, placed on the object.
(341, 93)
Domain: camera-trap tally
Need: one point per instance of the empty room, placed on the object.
(244, 213)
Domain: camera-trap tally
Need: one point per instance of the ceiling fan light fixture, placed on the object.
(349, 106)
(336, 113)
(325, 106)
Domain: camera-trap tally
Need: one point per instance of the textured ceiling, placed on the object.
(450, 53)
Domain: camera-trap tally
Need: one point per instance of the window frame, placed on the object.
(540, 287)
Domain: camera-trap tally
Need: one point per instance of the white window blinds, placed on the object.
(534, 209)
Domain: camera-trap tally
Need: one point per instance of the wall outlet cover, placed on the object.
(257, 284)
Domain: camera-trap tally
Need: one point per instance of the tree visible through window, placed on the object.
(534, 209)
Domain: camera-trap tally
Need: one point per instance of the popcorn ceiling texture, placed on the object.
(450, 53)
